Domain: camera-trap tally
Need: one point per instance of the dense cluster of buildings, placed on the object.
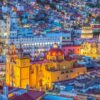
(20, 71)
(43, 42)
(24, 21)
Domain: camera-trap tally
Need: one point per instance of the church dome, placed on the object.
(55, 54)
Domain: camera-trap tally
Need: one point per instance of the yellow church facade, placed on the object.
(22, 73)
(41, 74)
(91, 49)
(17, 74)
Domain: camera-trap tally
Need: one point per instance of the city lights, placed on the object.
(50, 49)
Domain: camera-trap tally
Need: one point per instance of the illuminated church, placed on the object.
(87, 32)
(90, 48)
(20, 71)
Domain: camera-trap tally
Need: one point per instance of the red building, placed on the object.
(71, 49)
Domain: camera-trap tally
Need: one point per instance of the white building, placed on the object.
(4, 25)
(39, 44)
(4, 31)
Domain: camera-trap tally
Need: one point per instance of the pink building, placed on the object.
(71, 49)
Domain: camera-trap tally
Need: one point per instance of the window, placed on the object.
(68, 37)
(62, 72)
(71, 70)
(32, 71)
(57, 78)
(67, 71)
(66, 76)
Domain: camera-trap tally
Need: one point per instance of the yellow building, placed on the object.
(17, 73)
(41, 75)
(87, 32)
(91, 49)
(50, 74)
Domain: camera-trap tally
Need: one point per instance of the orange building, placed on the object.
(42, 74)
